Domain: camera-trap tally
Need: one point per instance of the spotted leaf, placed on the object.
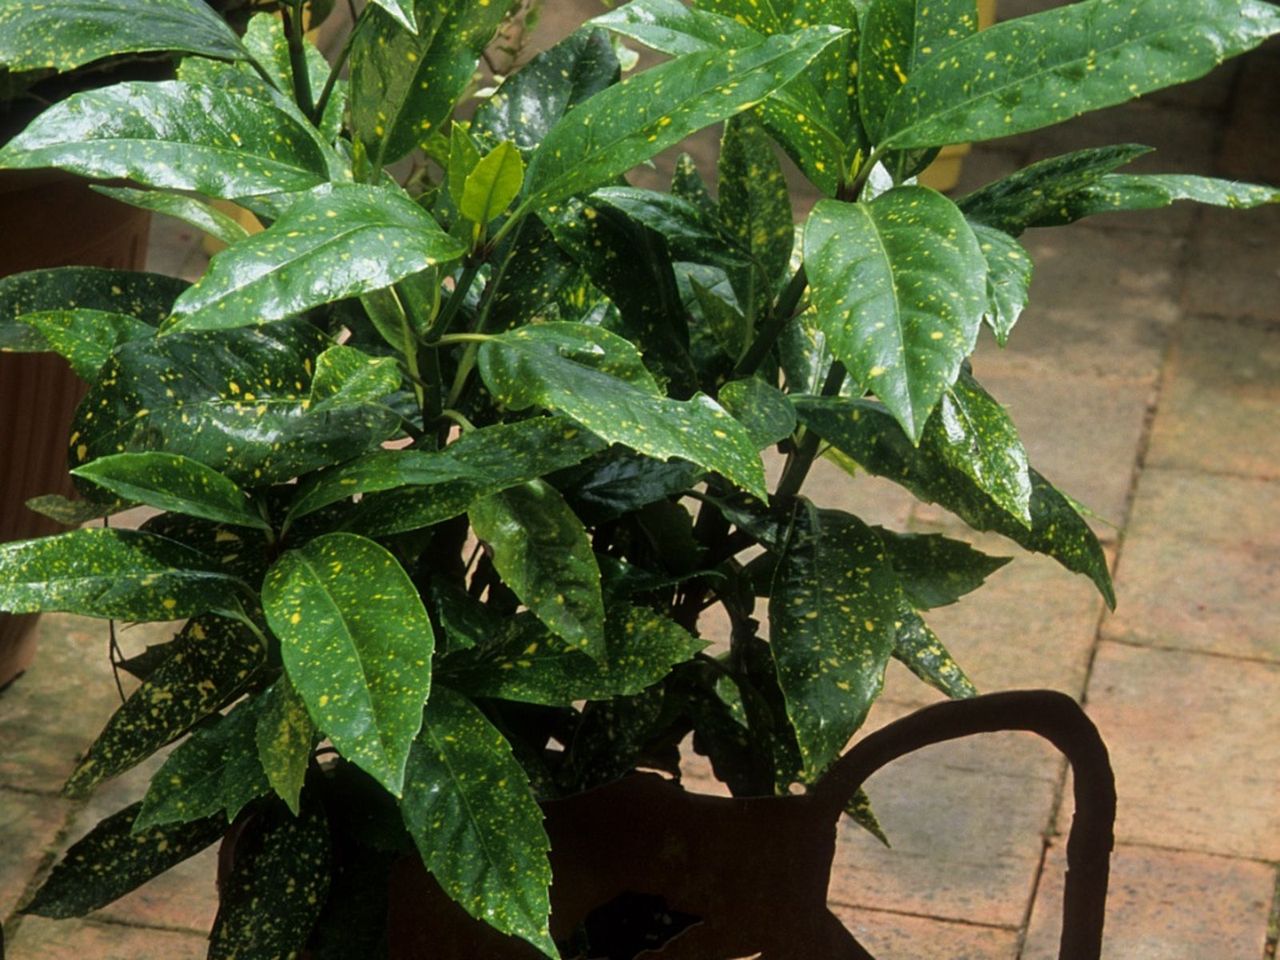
(899, 285)
(111, 860)
(402, 11)
(934, 570)
(865, 431)
(182, 207)
(832, 609)
(620, 481)
(112, 573)
(284, 736)
(244, 552)
(276, 887)
(542, 552)
(1114, 192)
(340, 240)
(764, 410)
(918, 648)
(356, 644)
(470, 811)
(85, 338)
(208, 663)
(691, 232)
(345, 375)
(1048, 67)
(598, 379)
(72, 33)
(173, 134)
(1008, 279)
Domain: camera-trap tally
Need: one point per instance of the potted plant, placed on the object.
(450, 477)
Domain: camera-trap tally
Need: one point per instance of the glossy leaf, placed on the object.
(493, 184)
(72, 513)
(628, 123)
(865, 431)
(899, 285)
(36, 36)
(832, 610)
(173, 134)
(85, 338)
(1117, 191)
(182, 207)
(542, 552)
(340, 240)
(284, 736)
(859, 811)
(934, 570)
(111, 860)
(468, 806)
(918, 649)
(235, 400)
(208, 663)
(603, 386)
(168, 481)
(112, 573)
(356, 644)
(622, 481)
(691, 232)
(402, 11)
(1048, 67)
(764, 410)
(345, 375)
(243, 552)
(464, 154)
(1008, 279)
(276, 888)
(215, 770)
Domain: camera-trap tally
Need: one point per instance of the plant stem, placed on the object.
(326, 93)
(784, 312)
(801, 460)
(440, 328)
(864, 173)
(297, 57)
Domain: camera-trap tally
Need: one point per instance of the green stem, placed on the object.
(801, 460)
(322, 103)
(297, 57)
(470, 270)
(864, 173)
(458, 418)
(783, 313)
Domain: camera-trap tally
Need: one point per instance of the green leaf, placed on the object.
(687, 185)
(85, 338)
(858, 809)
(404, 86)
(235, 400)
(112, 573)
(276, 888)
(72, 513)
(921, 652)
(72, 33)
(530, 102)
(934, 570)
(173, 134)
(444, 484)
(215, 770)
(628, 123)
(598, 379)
(463, 157)
(1048, 67)
(190, 210)
(345, 375)
(337, 241)
(640, 648)
(542, 552)
(832, 611)
(168, 481)
(284, 736)
(402, 11)
(111, 860)
(241, 551)
(764, 410)
(493, 184)
(622, 481)
(356, 643)
(208, 663)
(1116, 191)
(1008, 279)
(899, 285)
(865, 431)
(691, 232)
(468, 806)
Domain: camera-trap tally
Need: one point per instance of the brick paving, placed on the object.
(1146, 378)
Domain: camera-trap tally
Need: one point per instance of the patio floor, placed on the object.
(1146, 381)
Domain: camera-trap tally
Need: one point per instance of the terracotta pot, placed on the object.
(48, 219)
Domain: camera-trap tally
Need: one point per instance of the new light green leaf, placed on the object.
(598, 379)
(172, 134)
(182, 207)
(542, 551)
(900, 287)
(338, 241)
(1042, 69)
(66, 34)
(463, 157)
(169, 481)
(470, 811)
(356, 644)
(111, 573)
(284, 736)
(493, 183)
(1009, 269)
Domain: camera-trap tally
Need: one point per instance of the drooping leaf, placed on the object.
(832, 609)
(858, 809)
(691, 232)
(173, 134)
(105, 573)
(243, 552)
(215, 770)
(72, 33)
(1114, 192)
(542, 551)
(339, 240)
(1008, 279)
(356, 644)
(598, 379)
(276, 888)
(345, 375)
(934, 570)
(208, 663)
(172, 482)
(470, 811)
(182, 207)
(622, 481)
(764, 410)
(921, 652)
(111, 860)
(899, 285)
(84, 337)
(865, 431)
(493, 184)
(1038, 70)
(284, 736)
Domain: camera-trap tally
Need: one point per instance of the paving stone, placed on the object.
(1201, 566)
(170, 245)
(41, 939)
(1165, 905)
(1233, 270)
(893, 936)
(29, 827)
(1193, 744)
(874, 499)
(1221, 391)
